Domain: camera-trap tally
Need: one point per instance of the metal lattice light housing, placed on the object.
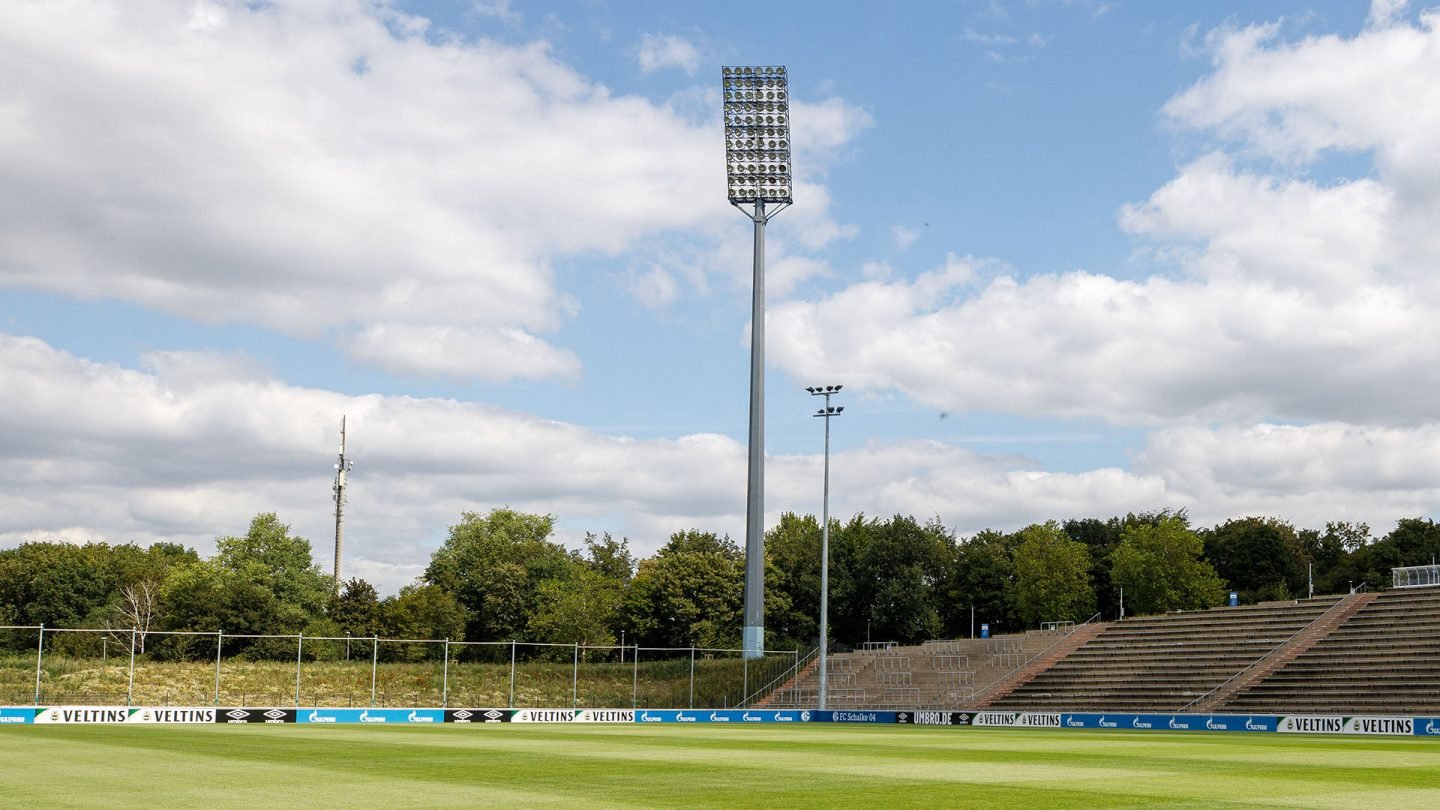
(757, 134)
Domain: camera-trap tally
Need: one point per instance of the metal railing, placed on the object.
(1025, 660)
(1340, 603)
(790, 673)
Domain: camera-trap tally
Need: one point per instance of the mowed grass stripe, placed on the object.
(703, 766)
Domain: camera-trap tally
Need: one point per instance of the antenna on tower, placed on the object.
(341, 468)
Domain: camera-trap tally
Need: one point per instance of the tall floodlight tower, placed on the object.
(757, 171)
(342, 467)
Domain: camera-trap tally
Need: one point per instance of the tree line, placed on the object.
(502, 576)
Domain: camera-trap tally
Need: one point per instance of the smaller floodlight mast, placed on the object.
(757, 172)
(825, 413)
(342, 467)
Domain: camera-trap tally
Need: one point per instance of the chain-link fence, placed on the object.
(99, 667)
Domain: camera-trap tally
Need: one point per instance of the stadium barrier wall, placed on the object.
(1386, 725)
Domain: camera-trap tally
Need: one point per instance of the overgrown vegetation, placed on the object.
(669, 683)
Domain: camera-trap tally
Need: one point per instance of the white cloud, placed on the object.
(490, 354)
(341, 168)
(971, 35)
(655, 288)
(659, 51)
(820, 129)
(1385, 12)
(1296, 299)
(904, 237)
(305, 168)
(1307, 474)
(98, 452)
(496, 9)
(1293, 233)
(1373, 91)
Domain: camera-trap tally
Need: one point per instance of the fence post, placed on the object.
(575, 679)
(374, 664)
(744, 680)
(692, 676)
(512, 674)
(130, 688)
(445, 678)
(635, 682)
(219, 640)
(299, 650)
(39, 657)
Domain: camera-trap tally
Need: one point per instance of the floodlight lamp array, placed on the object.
(757, 134)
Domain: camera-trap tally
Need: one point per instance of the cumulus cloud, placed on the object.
(1385, 12)
(101, 452)
(822, 128)
(336, 169)
(470, 353)
(1278, 296)
(904, 237)
(660, 51)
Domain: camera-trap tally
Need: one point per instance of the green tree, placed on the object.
(582, 609)
(1161, 566)
(792, 582)
(94, 585)
(56, 584)
(888, 579)
(493, 565)
(690, 593)
(1052, 576)
(1335, 552)
(270, 557)
(264, 582)
(1262, 558)
(982, 577)
(421, 612)
(356, 609)
(610, 558)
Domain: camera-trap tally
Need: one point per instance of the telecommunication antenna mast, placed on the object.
(341, 468)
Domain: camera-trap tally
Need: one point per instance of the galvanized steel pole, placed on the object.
(299, 651)
(374, 665)
(825, 413)
(219, 640)
(130, 687)
(39, 660)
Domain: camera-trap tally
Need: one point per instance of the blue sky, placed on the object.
(1069, 259)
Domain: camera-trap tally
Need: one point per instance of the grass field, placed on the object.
(703, 766)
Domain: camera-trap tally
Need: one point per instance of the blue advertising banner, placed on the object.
(1427, 726)
(388, 716)
(722, 716)
(852, 716)
(15, 714)
(1170, 722)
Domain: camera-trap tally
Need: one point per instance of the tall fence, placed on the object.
(129, 667)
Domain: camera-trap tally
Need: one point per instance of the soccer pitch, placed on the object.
(514, 765)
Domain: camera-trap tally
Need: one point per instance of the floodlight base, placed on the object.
(754, 644)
